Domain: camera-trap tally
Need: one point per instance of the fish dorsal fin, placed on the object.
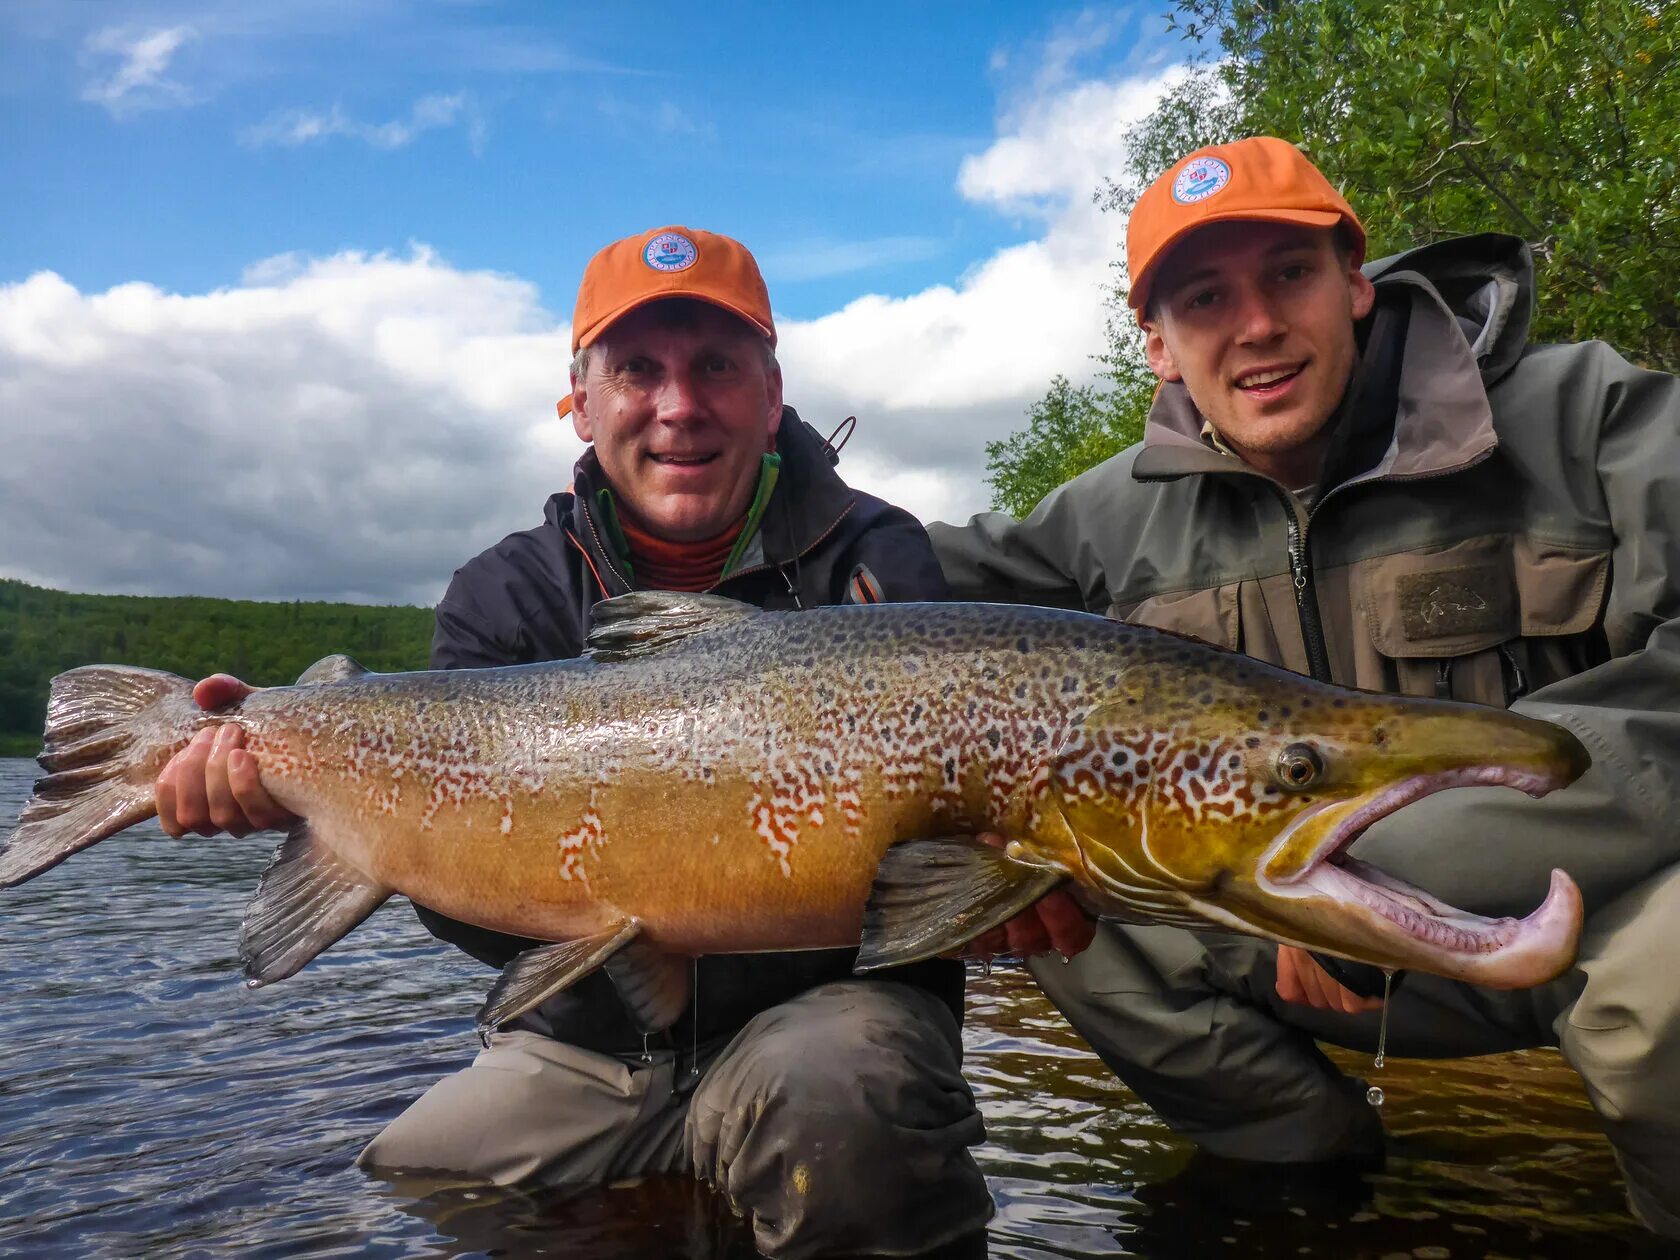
(933, 896)
(331, 669)
(308, 898)
(649, 621)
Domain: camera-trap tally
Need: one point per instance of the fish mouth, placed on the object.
(1417, 930)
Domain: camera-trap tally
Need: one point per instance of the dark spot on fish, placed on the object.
(1070, 683)
(1020, 691)
(1192, 762)
(1253, 741)
(1120, 758)
(1265, 715)
(1021, 645)
(1079, 642)
(1040, 735)
(1284, 712)
(915, 713)
(950, 769)
(810, 662)
(1379, 736)
(1234, 762)
(994, 737)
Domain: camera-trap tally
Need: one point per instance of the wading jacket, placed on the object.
(528, 598)
(1499, 522)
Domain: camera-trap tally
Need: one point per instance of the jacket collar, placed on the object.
(1442, 418)
(808, 501)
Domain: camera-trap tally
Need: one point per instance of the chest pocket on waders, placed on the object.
(1487, 620)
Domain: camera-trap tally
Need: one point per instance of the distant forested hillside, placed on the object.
(44, 632)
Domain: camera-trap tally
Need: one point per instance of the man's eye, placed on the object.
(1200, 301)
(718, 364)
(1294, 271)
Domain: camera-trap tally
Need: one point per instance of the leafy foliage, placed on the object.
(44, 632)
(1070, 429)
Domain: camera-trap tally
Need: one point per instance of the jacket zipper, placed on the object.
(1306, 597)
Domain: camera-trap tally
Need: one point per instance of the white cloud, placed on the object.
(137, 81)
(357, 426)
(294, 127)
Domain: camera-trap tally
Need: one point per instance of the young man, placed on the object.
(1369, 475)
(831, 1110)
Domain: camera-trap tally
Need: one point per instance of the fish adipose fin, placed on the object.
(655, 986)
(110, 730)
(309, 897)
(331, 669)
(540, 973)
(642, 622)
(934, 896)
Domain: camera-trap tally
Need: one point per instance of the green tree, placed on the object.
(1070, 429)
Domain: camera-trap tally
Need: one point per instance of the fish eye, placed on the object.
(1299, 766)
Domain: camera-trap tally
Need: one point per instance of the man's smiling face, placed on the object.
(681, 401)
(1257, 320)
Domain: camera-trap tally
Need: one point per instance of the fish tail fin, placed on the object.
(110, 730)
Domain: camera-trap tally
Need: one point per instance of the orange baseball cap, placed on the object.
(668, 262)
(1260, 178)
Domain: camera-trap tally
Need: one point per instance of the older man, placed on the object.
(1371, 476)
(831, 1110)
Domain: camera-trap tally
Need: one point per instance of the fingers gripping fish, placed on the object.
(715, 778)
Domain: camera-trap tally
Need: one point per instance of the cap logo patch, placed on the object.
(1199, 180)
(670, 251)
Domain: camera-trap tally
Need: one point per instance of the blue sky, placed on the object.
(826, 136)
(377, 206)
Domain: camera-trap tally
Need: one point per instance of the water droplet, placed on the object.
(1374, 1096)
(1382, 1028)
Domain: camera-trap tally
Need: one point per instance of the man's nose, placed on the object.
(678, 397)
(1258, 317)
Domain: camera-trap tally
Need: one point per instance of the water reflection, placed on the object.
(149, 1104)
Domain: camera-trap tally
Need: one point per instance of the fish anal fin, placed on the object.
(540, 973)
(655, 986)
(331, 669)
(934, 896)
(649, 621)
(309, 898)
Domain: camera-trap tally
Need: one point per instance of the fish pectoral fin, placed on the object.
(308, 898)
(330, 669)
(655, 986)
(642, 622)
(540, 973)
(933, 896)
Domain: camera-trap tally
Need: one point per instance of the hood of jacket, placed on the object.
(1485, 281)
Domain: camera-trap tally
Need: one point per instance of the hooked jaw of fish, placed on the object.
(1263, 846)
(1344, 902)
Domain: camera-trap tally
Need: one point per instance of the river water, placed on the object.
(151, 1105)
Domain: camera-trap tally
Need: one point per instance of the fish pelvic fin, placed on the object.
(654, 986)
(110, 729)
(934, 896)
(643, 622)
(538, 974)
(308, 898)
(331, 669)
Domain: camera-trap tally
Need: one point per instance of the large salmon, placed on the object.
(714, 778)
